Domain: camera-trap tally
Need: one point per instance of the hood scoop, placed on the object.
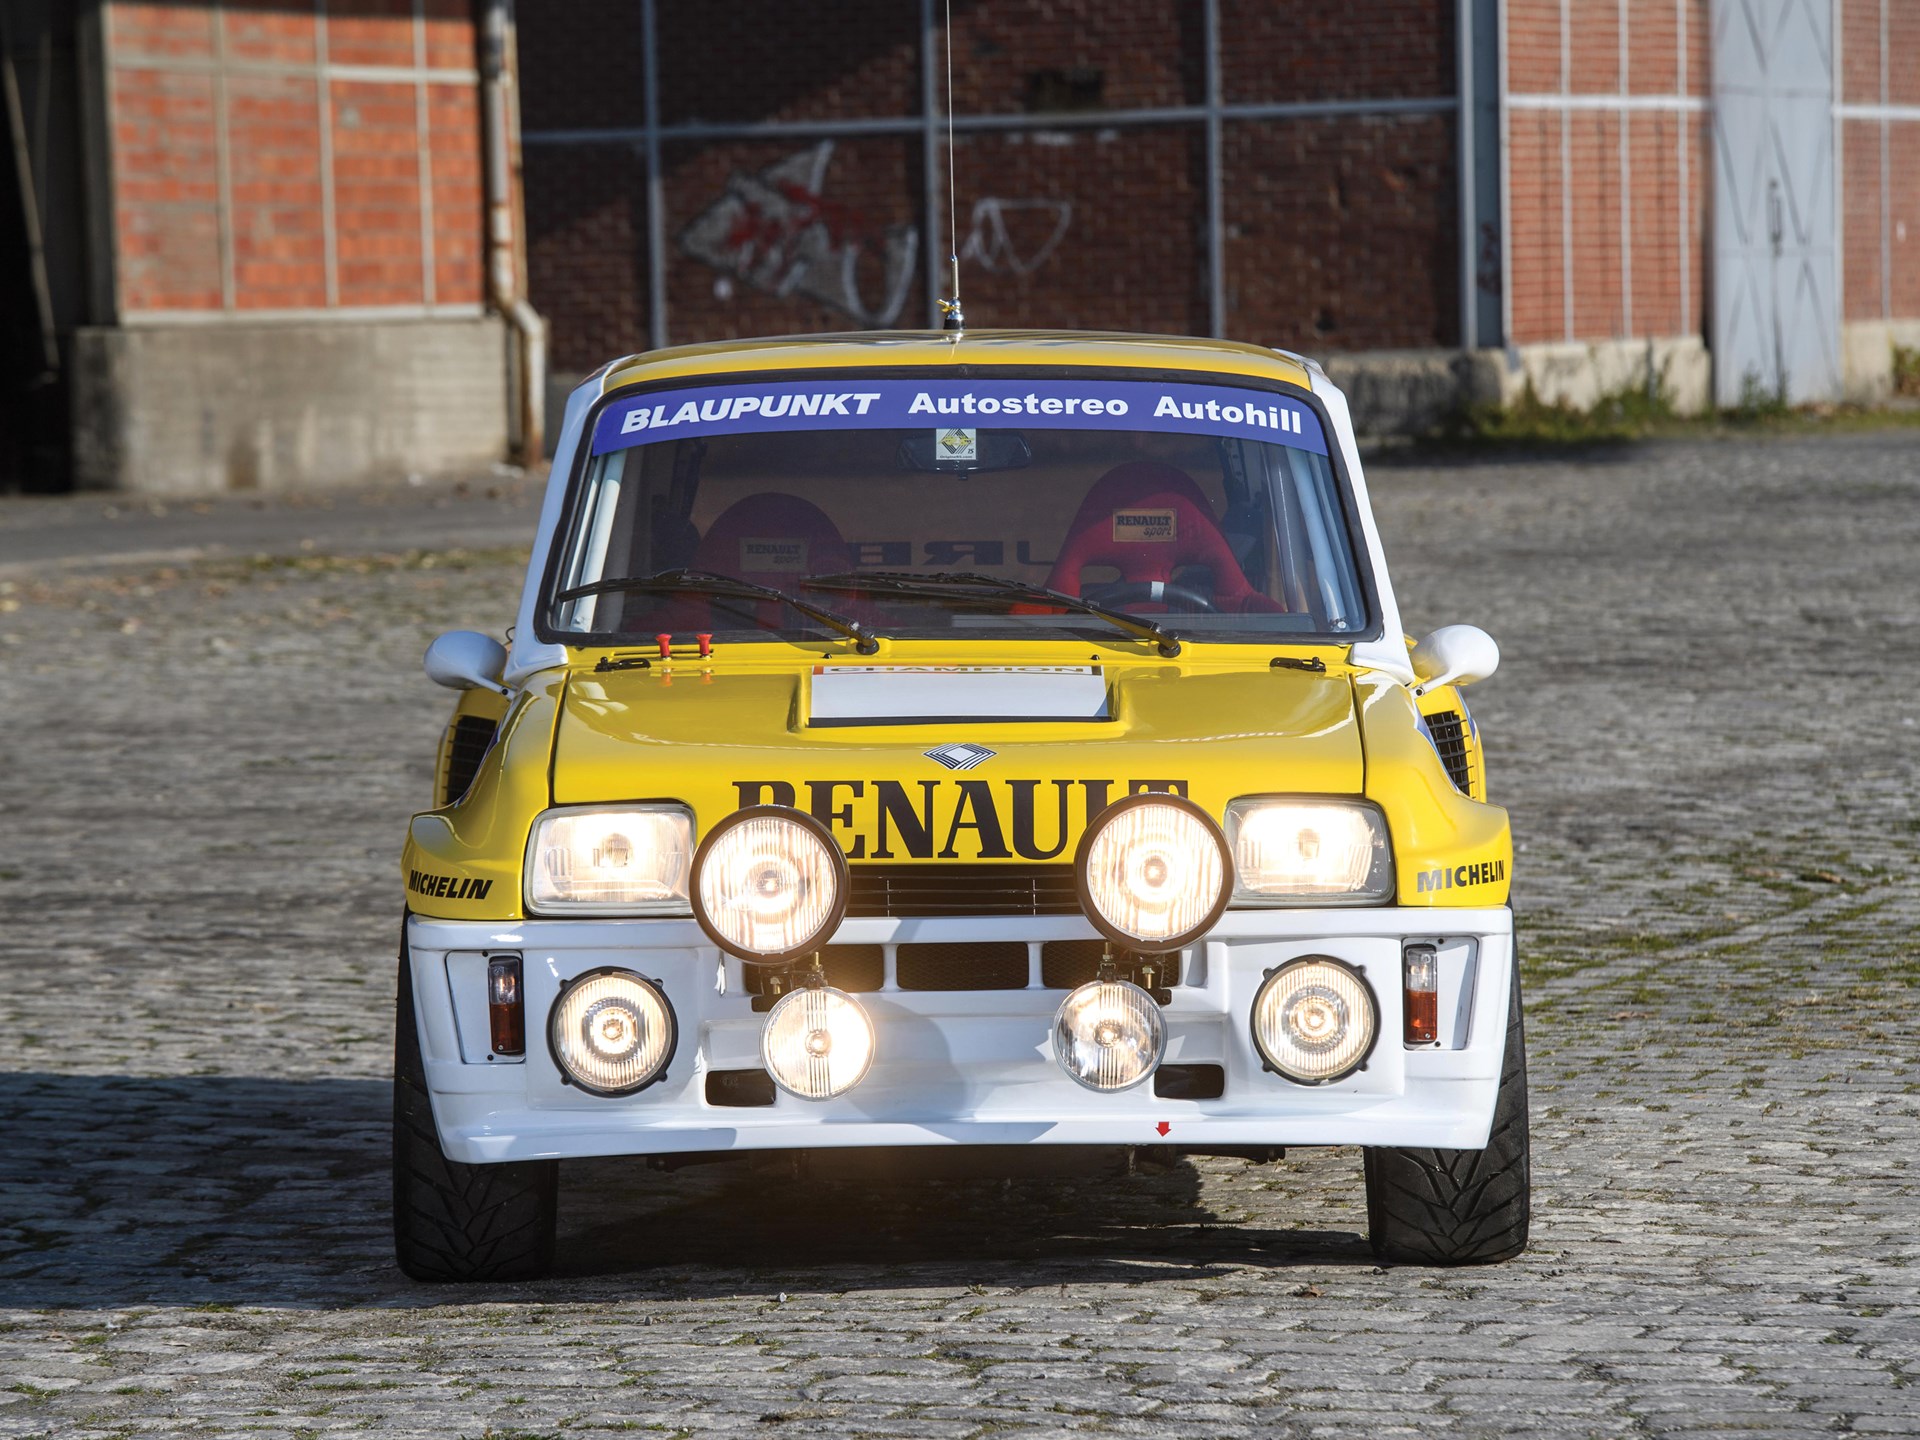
(845, 695)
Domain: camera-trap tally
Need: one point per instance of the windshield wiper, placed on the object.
(959, 583)
(707, 582)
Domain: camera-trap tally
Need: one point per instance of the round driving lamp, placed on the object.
(1109, 1035)
(769, 884)
(1315, 1020)
(611, 1032)
(817, 1043)
(1154, 872)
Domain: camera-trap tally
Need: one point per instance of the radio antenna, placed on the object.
(951, 316)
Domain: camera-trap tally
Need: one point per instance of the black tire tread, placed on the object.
(1460, 1207)
(455, 1222)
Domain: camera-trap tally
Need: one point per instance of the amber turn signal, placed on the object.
(506, 1011)
(1421, 967)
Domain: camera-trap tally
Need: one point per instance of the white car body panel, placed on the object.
(965, 1067)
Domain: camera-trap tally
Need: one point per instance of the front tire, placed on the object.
(453, 1221)
(1460, 1207)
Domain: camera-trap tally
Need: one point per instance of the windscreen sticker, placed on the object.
(1139, 525)
(956, 408)
(957, 444)
(773, 557)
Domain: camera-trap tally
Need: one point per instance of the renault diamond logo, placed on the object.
(959, 757)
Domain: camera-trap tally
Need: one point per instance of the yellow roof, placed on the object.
(972, 347)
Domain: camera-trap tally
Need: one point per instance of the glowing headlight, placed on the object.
(1314, 1020)
(611, 1032)
(1153, 872)
(1327, 851)
(817, 1043)
(631, 861)
(770, 884)
(1109, 1035)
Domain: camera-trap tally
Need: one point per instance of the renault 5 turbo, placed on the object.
(982, 740)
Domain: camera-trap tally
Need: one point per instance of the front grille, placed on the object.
(472, 735)
(962, 965)
(1450, 739)
(958, 890)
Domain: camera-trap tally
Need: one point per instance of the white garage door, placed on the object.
(1776, 323)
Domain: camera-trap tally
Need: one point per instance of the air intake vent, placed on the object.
(1450, 739)
(960, 965)
(472, 735)
(854, 968)
(1069, 964)
(945, 890)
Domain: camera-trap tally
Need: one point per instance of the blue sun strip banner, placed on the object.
(827, 403)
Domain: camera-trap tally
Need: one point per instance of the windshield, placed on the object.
(897, 505)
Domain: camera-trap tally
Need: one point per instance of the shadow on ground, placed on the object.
(221, 1191)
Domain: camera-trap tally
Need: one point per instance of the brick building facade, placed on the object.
(346, 175)
(276, 242)
(1081, 169)
(1532, 180)
(263, 242)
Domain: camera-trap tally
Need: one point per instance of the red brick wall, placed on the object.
(750, 59)
(181, 75)
(166, 180)
(1861, 232)
(1633, 186)
(1397, 49)
(1133, 255)
(1304, 192)
(1340, 234)
(1904, 218)
(1881, 158)
(1536, 233)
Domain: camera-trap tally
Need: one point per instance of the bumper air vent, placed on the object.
(932, 891)
(472, 735)
(960, 965)
(739, 1089)
(1190, 1082)
(853, 968)
(1450, 739)
(1068, 964)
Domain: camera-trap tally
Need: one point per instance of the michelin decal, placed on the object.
(1487, 872)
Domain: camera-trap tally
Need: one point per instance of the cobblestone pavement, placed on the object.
(44, 535)
(1706, 727)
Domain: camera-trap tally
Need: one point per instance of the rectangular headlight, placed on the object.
(1285, 851)
(633, 860)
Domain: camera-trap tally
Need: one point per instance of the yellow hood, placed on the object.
(722, 741)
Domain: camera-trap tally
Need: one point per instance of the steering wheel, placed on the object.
(1156, 592)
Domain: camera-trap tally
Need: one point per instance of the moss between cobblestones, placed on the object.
(1715, 908)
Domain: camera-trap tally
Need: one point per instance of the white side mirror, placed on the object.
(1454, 655)
(467, 660)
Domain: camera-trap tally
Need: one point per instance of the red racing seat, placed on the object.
(1148, 520)
(770, 539)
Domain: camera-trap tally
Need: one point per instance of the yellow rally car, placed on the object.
(1003, 739)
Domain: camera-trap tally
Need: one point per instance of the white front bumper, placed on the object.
(967, 1067)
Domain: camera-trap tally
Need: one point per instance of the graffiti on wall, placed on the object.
(779, 232)
(1015, 237)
